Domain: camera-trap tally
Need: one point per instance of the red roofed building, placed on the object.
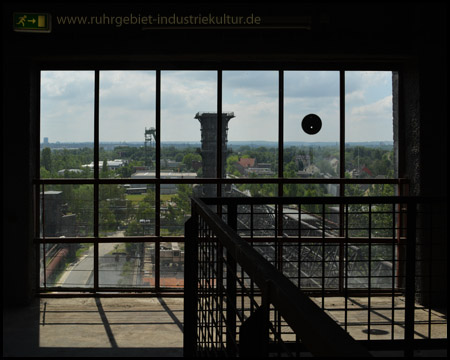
(247, 162)
(243, 164)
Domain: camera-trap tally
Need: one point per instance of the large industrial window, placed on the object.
(121, 152)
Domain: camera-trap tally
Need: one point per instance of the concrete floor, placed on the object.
(153, 327)
(123, 327)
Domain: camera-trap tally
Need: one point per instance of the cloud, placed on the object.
(128, 89)
(183, 94)
(127, 104)
(311, 84)
(370, 122)
(67, 105)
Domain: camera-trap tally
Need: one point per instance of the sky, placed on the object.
(127, 105)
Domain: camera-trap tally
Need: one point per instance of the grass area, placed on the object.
(82, 250)
(167, 197)
(136, 198)
(119, 248)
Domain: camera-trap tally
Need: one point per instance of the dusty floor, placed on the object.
(153, 327)
(95, 327)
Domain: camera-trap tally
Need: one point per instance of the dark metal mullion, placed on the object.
(323, 256)
(342, 128)
(279, 232)
(40, 219)
(369, 280)
(394, 242)
(43, 237)
(36, 197)
(219, 135)
(299, 246)
(96, 175)
(157, 188)
(341, 171)
(346, 269)
(280, 129)
(37, 161)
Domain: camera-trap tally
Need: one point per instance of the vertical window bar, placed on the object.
(158, 143)
(96, 125)
(369, 284)
(96, 173)
(280, 153)
(36, 124)
(157, 188)
(44, 260)
(393, 268)
(252, 285)
(341, 170)
(37, 129)
(219, 135)
(299, 246)
(346, 269)
(280, 129)
(36, 197)
(323, 256)
(342, 128)
(37, 166)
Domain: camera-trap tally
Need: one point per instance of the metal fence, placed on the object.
(292, 275)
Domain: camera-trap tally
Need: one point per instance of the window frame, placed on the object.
(278, 181)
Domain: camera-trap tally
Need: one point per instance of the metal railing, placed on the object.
(259, 273)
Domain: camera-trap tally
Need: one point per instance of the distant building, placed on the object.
(166, 189)
(62, 172)
(334, 162)
(303, 161)
(111, 164)
(58, 222)
(258, 171)
(171, 164)
(247, 162)
(244, 164)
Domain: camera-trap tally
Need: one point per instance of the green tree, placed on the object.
(189, 158)
(46, 159)
(104, 172)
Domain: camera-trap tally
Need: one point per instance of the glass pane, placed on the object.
(66, 265)
(172, 264)
(311, 125)
(252, 96)
(67, 123)
(128, 209)
(176, 207)
(189, 124)
(67, 211)
(369, 148)
(127, 122)
(243, 190)
(126, 264)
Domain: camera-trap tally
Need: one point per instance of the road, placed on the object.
(80, 274)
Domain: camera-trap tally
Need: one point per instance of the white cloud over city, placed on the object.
(127, 104)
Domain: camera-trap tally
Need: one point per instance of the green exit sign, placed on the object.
(32, 22)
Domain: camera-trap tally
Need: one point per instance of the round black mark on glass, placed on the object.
(311, 124)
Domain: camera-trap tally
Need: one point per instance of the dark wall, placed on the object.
(412, 37)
